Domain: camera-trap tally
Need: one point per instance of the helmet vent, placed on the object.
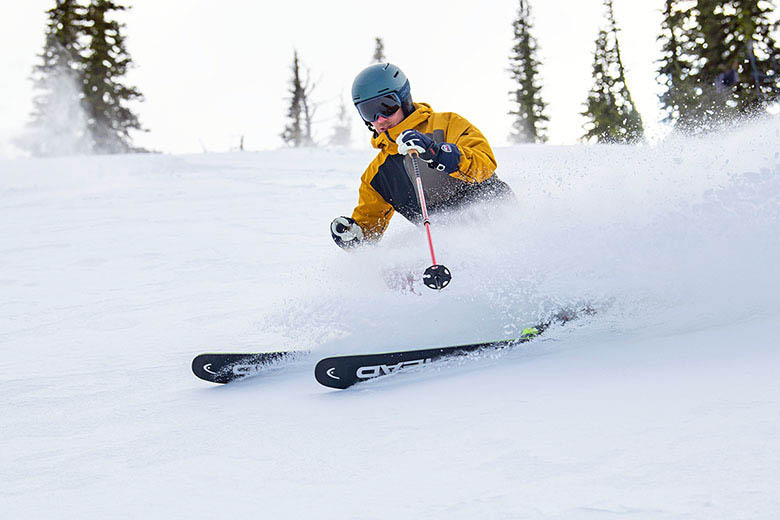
(396, 74)
(383, 90)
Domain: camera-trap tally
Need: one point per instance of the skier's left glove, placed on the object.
(346, 232)
(444, 157)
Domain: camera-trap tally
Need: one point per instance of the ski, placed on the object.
(344, 371)
(227, 367)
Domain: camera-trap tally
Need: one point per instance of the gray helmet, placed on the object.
(380, 79)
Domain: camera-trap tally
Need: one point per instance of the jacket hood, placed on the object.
(386, 140)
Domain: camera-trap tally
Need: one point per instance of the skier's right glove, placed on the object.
(443, 157)
(417, 141)
(346, 232)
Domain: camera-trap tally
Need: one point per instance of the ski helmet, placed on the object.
(382, 79)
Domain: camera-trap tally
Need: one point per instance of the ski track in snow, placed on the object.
(118, 270)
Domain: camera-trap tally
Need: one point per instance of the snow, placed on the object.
(118, 270)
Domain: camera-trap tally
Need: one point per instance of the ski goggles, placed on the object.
(384, 106)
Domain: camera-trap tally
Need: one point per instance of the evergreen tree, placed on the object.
(729, 62)
(298, 131)
(342, 132)
(293, 131)
(713, 54)
(674, 71)
(529, 125)
(58, 124)
(106, 97)
(756, 54)
(379, 51)
(309, 108)
(612, 116)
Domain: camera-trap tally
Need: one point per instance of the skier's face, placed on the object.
(383, 124)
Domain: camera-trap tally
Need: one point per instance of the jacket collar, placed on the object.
(386, 140)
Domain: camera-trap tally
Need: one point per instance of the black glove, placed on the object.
(415, 140)
(346, 232)
(444, 157)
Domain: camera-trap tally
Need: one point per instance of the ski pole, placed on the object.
(436, 276)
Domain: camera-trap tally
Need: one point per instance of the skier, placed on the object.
(461, 164)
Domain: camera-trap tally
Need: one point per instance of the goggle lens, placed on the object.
(385, 106)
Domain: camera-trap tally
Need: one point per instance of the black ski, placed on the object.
(227, 367)
(344, 371)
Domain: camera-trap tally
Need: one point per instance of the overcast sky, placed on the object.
(213, 71)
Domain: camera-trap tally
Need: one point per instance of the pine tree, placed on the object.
(298, 132)
(106, 97)
(675, 66)
(713, 54)
(379, 51)
(342, 132)
(529, 125)
(58, 123)
(293, 131)
(759, 53)
(612, 116)
(730, 62)
(309, 108)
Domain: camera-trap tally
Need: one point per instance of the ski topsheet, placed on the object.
(344, 371)
(227, 367)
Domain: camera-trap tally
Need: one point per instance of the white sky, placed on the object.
(212, 71)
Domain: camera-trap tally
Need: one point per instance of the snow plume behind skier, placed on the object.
(461, 163)
(654, 234)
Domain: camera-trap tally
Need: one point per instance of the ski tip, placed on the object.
(203, 368)
(327, 374)
(225, 367)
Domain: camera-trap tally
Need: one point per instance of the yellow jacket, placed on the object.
(388, 184)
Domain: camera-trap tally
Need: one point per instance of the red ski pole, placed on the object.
(436, 276)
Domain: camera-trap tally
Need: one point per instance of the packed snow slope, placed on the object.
(116, 271)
